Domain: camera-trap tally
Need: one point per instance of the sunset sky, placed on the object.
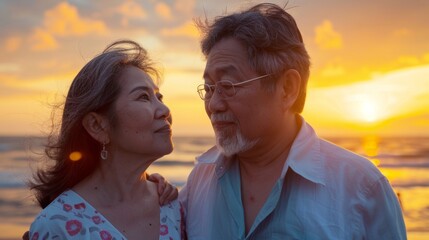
(369, 73)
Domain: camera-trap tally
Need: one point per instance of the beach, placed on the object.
(404, 161)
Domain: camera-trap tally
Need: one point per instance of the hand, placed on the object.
(166, 191)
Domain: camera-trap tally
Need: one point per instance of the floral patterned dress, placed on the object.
(69, 216)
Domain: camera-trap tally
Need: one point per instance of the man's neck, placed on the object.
(261, 167)
(270, 153)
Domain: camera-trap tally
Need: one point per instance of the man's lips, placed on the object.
(222, 124)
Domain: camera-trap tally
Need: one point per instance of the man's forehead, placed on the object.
(219, 70)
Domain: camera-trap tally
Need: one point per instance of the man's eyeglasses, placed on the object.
(225, 88)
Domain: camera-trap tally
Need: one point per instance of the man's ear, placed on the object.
(290, 85)
(96, 125)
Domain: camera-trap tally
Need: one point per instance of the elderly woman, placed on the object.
(114, 125)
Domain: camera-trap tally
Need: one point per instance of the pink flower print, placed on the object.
(105, 235)
(96, 219)
(80, 206)
(73, 227)
(67, 207)
(163, 230)
(35, 236)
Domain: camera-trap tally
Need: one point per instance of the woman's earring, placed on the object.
(104, 153)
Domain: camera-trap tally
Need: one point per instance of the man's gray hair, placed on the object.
(273, 41)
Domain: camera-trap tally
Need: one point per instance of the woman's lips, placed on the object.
(164, 129)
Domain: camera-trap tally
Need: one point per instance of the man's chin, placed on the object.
(230, 145)
(226, 151)
(224, 144)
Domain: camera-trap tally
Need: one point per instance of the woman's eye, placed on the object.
(160, 97)
(144, 97)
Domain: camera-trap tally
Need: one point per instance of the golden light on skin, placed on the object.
(75, 156)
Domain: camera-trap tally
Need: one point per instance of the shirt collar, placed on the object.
(214, 156)
(304, 157)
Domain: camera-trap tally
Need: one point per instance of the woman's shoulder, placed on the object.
(62, 204)
(70, 216)
(175, 204)
(171, 221)
(54, 218)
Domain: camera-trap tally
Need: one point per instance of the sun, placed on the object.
(368, 110)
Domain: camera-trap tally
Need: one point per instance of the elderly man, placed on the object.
(270, 176)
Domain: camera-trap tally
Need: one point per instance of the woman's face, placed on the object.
(143, 121)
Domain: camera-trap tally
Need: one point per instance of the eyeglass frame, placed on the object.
(201, 87)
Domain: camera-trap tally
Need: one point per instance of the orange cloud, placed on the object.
(426, 57)
(131, 10)
(403, 32)
(63, 20)
(185, 7)
(327, 37)
(186, 30)
(163, 10)
(408, 60)
(333, 71)
(12, 44)
(42, 40)
(7, 68)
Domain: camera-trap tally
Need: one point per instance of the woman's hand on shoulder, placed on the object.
(166, 191)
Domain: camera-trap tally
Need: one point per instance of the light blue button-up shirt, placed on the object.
(324, 192)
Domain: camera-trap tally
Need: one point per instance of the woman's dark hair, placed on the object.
(94, 89)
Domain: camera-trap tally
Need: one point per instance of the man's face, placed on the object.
(250, 116)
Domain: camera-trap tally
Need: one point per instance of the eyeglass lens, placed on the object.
(226, 88)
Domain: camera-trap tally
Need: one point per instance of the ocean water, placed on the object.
(404, 161)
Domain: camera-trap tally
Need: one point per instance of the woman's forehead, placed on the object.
(133, 77)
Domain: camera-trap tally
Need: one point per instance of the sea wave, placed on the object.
(405, 165)
(410, 184)
(12, 180)
(421, 154)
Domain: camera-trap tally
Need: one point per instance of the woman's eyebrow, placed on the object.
(144, 88)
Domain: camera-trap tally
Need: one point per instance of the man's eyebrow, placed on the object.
(221, 71)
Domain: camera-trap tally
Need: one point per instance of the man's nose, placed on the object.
(217, 102)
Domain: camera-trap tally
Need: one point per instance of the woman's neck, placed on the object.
(116, 181)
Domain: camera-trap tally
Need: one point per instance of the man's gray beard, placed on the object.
(232, 143)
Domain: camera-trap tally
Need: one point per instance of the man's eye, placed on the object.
(226, 85)
(208, 88)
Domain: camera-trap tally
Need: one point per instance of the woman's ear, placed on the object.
(96, 125)
(290, 85)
